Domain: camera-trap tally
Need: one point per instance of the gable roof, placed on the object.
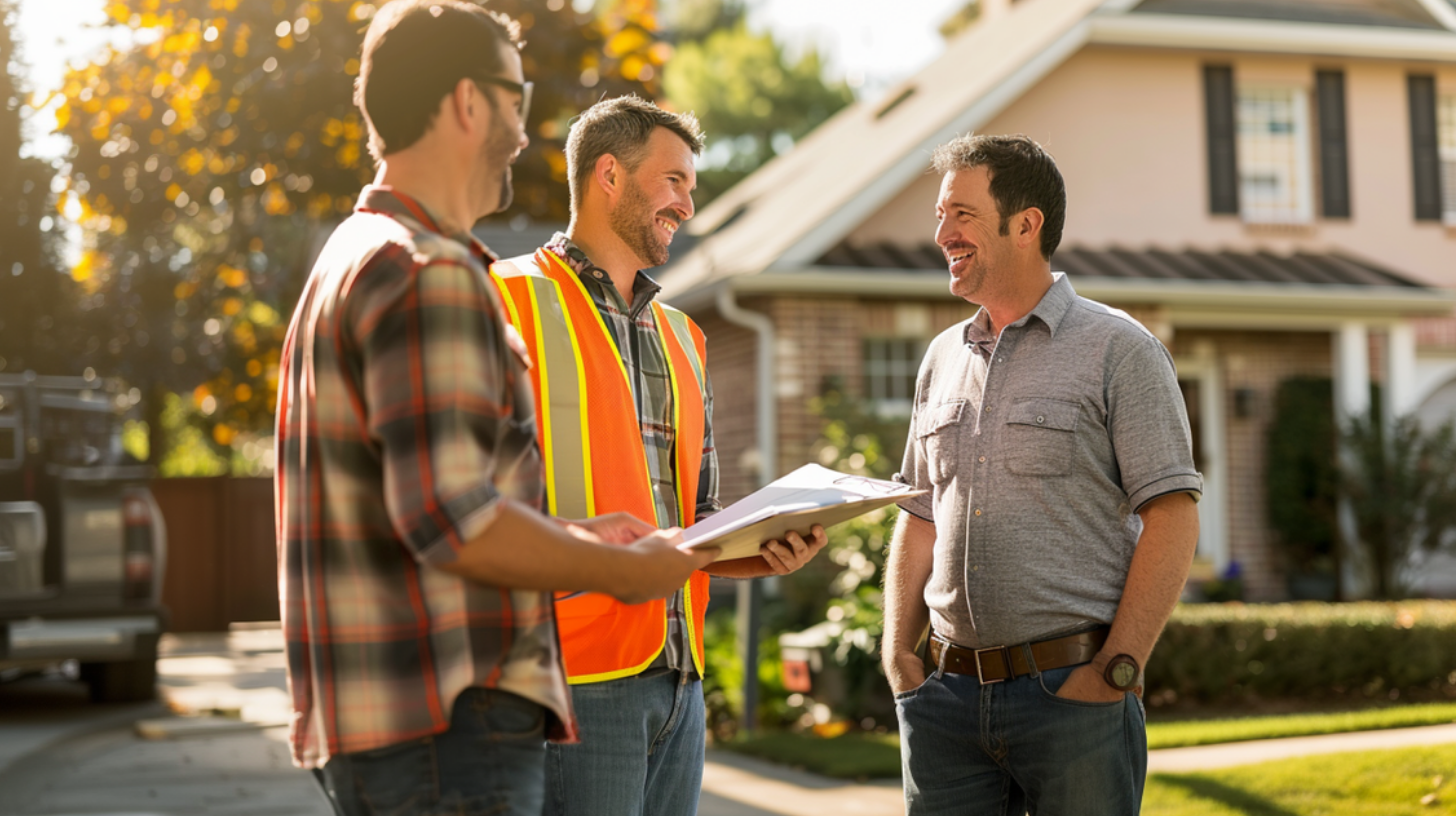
(800, 205)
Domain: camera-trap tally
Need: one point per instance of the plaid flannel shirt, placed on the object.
(404, 418)
(634, 330)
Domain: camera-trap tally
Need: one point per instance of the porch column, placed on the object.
(1352, 371)
(1352, 398)
(1399, 394)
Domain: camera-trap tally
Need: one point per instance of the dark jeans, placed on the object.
(641, 751)
(491, 761)
(1011, 748)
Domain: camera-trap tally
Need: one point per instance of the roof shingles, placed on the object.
(1300, 269)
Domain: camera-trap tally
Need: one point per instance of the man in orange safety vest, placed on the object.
(624, 411)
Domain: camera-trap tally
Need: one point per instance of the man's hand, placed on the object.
(614, 528)
(1085, 684)
(662, 568)
(907, 672)
(793, 552)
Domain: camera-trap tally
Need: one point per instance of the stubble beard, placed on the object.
(633, 221)
(971, 283)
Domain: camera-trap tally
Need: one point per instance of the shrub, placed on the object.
(1399, 481)
(1302, 475)
(1341, 653)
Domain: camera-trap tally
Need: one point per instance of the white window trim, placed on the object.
(1303, 158)
(1446, 154)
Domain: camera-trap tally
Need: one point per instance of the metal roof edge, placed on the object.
(1252, 296)
(1272, 36)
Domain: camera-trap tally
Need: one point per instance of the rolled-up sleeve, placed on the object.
(1148, 426)
(435, 372)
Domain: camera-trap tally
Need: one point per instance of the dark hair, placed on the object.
(620, 127)
(415, 53)
(1023, 175)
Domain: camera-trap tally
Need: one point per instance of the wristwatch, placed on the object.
(1122, 672)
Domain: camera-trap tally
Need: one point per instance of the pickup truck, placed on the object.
(82, 541)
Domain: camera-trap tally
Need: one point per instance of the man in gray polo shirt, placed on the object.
(1060, 522)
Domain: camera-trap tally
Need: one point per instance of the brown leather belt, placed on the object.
(998, 663)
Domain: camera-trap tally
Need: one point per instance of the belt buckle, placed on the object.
(1005, 660)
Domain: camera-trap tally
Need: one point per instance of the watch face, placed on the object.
(1124, 675)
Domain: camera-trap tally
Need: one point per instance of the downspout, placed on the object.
(750, 593)
(761, 325)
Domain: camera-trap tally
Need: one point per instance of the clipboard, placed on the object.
(808, 496)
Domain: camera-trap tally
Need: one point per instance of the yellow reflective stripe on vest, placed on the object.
(581, 373)
(685, 514)
(565, 443)
(684, 334)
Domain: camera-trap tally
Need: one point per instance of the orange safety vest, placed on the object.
(595, 461)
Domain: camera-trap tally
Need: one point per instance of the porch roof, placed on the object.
(1201, 286)
(1314, 269)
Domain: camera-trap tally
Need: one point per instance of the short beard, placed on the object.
(971, 283)
(632, 220)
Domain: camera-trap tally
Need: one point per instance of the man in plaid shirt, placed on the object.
(415, 566)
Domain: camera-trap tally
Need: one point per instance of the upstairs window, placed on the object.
(1273, 148)
(1270, 147)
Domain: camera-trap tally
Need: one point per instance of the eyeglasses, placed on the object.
(522, 88)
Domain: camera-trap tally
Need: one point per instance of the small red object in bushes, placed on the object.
(796, 676)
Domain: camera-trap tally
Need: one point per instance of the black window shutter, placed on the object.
(1223, 168)
(1425, 160)
(1334, 152)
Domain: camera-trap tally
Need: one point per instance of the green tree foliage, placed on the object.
(753, 102)
(1399, 480)
(1302, 479)
(212, 157)
(38, 322)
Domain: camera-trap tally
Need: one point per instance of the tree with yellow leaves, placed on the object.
(212, 156)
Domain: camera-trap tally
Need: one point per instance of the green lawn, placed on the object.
(852, 756)
(872, 756)
(1377, 783)
(1212, 732)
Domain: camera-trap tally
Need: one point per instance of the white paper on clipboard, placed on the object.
(808, 496)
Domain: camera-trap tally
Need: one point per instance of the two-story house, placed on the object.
(1269, 186)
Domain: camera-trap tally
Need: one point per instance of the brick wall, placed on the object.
(817, 338)
(731, 367)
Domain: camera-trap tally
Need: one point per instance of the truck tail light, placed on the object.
(139, 559)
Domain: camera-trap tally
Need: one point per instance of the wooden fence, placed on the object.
(222, 562)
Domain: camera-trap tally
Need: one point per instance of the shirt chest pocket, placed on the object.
(1041, 437)
(938, 432)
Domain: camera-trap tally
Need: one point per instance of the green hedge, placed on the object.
(1236, 653)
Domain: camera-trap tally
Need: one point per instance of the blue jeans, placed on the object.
(641, 750)
(491, 761)
(1011, 748)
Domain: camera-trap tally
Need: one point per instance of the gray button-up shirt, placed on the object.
(1039, 446)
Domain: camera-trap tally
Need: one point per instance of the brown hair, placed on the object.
(415, 53)
(620, 127)
(1023, 175)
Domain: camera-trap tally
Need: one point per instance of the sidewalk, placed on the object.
(230, 757)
